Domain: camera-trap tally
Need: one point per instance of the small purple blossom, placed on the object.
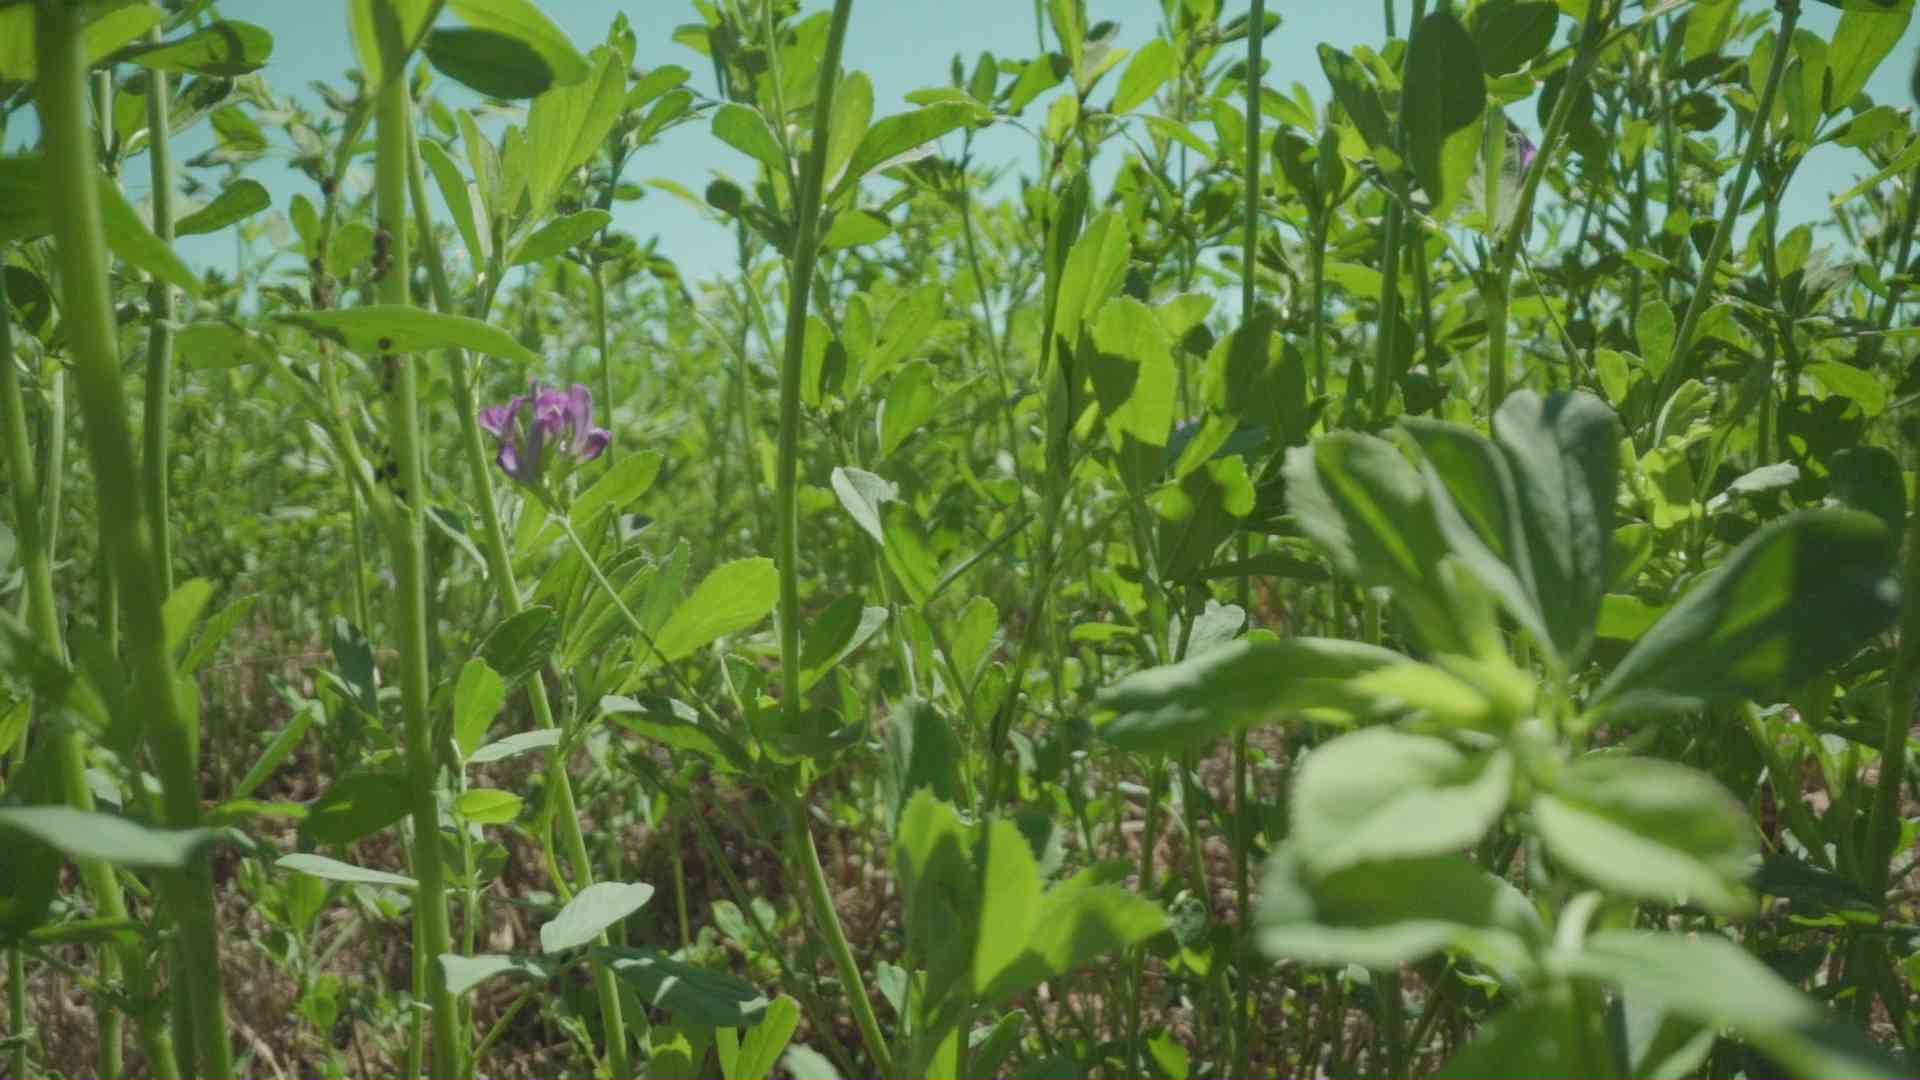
(544, 429)
(1523, 148)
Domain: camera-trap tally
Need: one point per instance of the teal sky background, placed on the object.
(900, 45)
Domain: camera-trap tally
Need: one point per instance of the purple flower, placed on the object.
(1522, 147)
(545, 429)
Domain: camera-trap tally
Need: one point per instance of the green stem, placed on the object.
(1506, 252)
(806, 246)
(807, 854)
(17, 998)
(160, 325)
(799, 284)
(1386, 333)
(1682, 364)
(1240, 1028)
(498, 552)
(406, 533)
(172, 728)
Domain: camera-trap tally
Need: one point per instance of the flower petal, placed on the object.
(496, 419)
(594, 443)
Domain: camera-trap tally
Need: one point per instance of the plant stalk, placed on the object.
(160, 301)
(1681, 367)
(171, 727)
(806, 247)
(406, 534)
(499, 556)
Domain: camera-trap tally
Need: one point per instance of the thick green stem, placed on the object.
(171, 727)
(498, 553)
(806, 245)
(1681, 367)
(159, 326)
(799, 285)
(405, 526)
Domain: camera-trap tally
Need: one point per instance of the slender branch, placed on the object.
(1682, 364)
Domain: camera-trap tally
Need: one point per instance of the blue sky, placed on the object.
(900, 45)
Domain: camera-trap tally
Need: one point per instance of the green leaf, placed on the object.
(85, 835)
(1654, 331)
(1186, 705)
(1715, 982)
(182, 611)
(863, 494)
(734, 597)
(853, 227)
(1379, 794)
(761, 1047)
(206, 346)
(921, 752)
(487, 806)
(692, 995)
(512, 745)
(1093, 271)
(1134, 376)
(374, 329)
(1649, 829)
(1385, 914)
(225, 47)
(334, 870)
(565, 128)
(913, 398)
(834, 634)
(463, 973)
(900, 133)
(675, 724)
(463, 201)
(357, 806)
(1797, 597)
(1563, 452)
(1355, 92)
(213, 633)
(1146, 73)
(1477, 508)
(804, 1060)
(1359, 499)
(518, 646)
(590, 912)
(1009, 903)
(852, 112)
(105, 31)
(1509, 34)
(1860, 42)
(281, 748)
(1522, 1042)
(523, 21)
(1869, 478)
(1444, 99)
(1857, 385)
(746, 130)
(560, 235)
(617, 488)
(237, 201)
(1077, 922)
(477, 698)
(488, 62)
(130, 239)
